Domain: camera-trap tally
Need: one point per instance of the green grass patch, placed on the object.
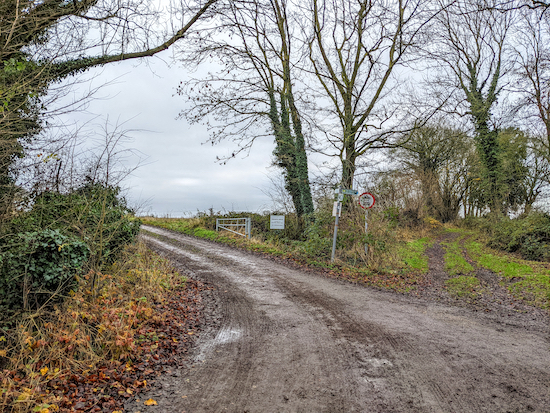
(206, 233)
(463, 287)
(506, 266)
(533, 289)
(528, 281)
(412, 254)
(455, 263)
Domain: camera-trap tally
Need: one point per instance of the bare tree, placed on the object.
(537, 179)
(532, 72)
(254, 88)
(64, 163)
(354, 49)
(441, 159)
(470, 40)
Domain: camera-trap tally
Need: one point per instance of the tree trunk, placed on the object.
(348, 161)
(488, 148)
(301, 158)
(291, 155)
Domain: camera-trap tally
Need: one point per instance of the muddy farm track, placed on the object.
(276, 339)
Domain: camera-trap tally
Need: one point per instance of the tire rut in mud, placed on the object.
(494, 299)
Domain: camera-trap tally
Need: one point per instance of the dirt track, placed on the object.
(280, 340)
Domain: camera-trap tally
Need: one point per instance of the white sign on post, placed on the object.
(337, 209)
(277, 222)
(336, 212)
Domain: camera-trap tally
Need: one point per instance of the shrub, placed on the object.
(317, 245)
(94, 213)
(529, 236)
(39, 266)
(47, 245)
(391, 215)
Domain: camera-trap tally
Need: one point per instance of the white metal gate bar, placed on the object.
(235, 225)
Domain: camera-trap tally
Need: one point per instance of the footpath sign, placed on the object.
(350, 191)
(277, 222)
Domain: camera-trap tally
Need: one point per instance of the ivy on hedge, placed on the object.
(60, 237)
(38, 265)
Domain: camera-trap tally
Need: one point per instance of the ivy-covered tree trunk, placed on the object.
(486, 138)
(301, 158)
(488, 149)
(290, 152)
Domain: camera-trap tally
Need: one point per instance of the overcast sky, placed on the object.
(180, 175)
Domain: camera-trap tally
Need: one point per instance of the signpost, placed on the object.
(337, 209)
(366, 200)
(350, 191)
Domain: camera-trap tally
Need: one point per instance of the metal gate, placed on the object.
(239, 226)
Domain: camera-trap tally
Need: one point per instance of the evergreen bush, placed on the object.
(528, 235)
(39, 266)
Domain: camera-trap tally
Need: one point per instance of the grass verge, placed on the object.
(403, 279)
(526, 280)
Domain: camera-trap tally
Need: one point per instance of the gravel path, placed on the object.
(276, 339)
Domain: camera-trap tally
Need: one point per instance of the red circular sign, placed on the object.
(366, 200)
